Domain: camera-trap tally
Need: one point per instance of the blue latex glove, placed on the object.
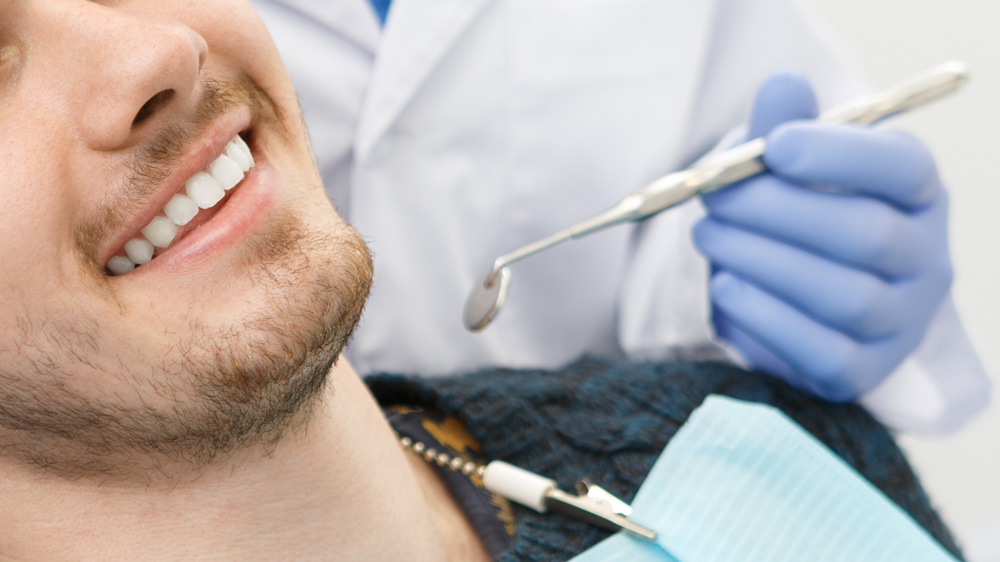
(828, 269)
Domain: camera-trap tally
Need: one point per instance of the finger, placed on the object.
(848, 300)
(757, 356)
(857, 230)
(830, 364)
(889, 165)
(784, 95)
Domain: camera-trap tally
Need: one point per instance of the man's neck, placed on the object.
(339, 489)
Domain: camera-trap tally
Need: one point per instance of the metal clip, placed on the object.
(592, 503)
(596, 506)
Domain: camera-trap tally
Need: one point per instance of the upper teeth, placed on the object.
(203, 190)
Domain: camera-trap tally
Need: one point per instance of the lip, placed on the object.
(205, 149)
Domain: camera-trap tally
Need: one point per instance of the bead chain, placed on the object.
(431, 455)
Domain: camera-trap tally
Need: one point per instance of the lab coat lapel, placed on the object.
(351, 18)
(417, 35)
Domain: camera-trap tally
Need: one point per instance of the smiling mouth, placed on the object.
(203, 191)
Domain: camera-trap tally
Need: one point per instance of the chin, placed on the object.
(217, 388)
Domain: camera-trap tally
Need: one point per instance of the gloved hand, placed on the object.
(828, 268)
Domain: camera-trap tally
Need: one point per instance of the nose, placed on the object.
(122, 70)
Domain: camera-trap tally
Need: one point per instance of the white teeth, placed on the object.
(160, 232)
(226, 171)
(242, 144)
(139, 251)
(180, 209)
(120, 264)
(240, 153)
(204, 190)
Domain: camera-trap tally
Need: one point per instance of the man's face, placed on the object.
(107, 109)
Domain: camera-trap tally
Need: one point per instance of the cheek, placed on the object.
(83, 344)
(46, 338)
(31, 228)
(42, 194)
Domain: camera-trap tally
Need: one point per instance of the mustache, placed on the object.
(157, 158)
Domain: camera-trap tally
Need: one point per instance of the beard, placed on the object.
(226, 389)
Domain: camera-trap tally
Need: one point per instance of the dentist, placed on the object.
(451, 132)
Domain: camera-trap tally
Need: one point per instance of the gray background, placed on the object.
(891, 39)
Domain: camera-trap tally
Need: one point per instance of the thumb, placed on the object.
(785, 95)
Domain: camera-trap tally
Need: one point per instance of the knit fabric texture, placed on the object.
(609, 421)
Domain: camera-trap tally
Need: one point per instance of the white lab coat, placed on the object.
(467, 128)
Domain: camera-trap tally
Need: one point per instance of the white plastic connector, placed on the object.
(517, 484)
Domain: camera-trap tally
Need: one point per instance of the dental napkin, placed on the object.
(740, 481)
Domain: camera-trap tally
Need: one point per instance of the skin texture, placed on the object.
(188, 401)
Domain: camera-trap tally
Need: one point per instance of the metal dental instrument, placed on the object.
(711, 173)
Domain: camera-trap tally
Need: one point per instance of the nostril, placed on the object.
(150, 107)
